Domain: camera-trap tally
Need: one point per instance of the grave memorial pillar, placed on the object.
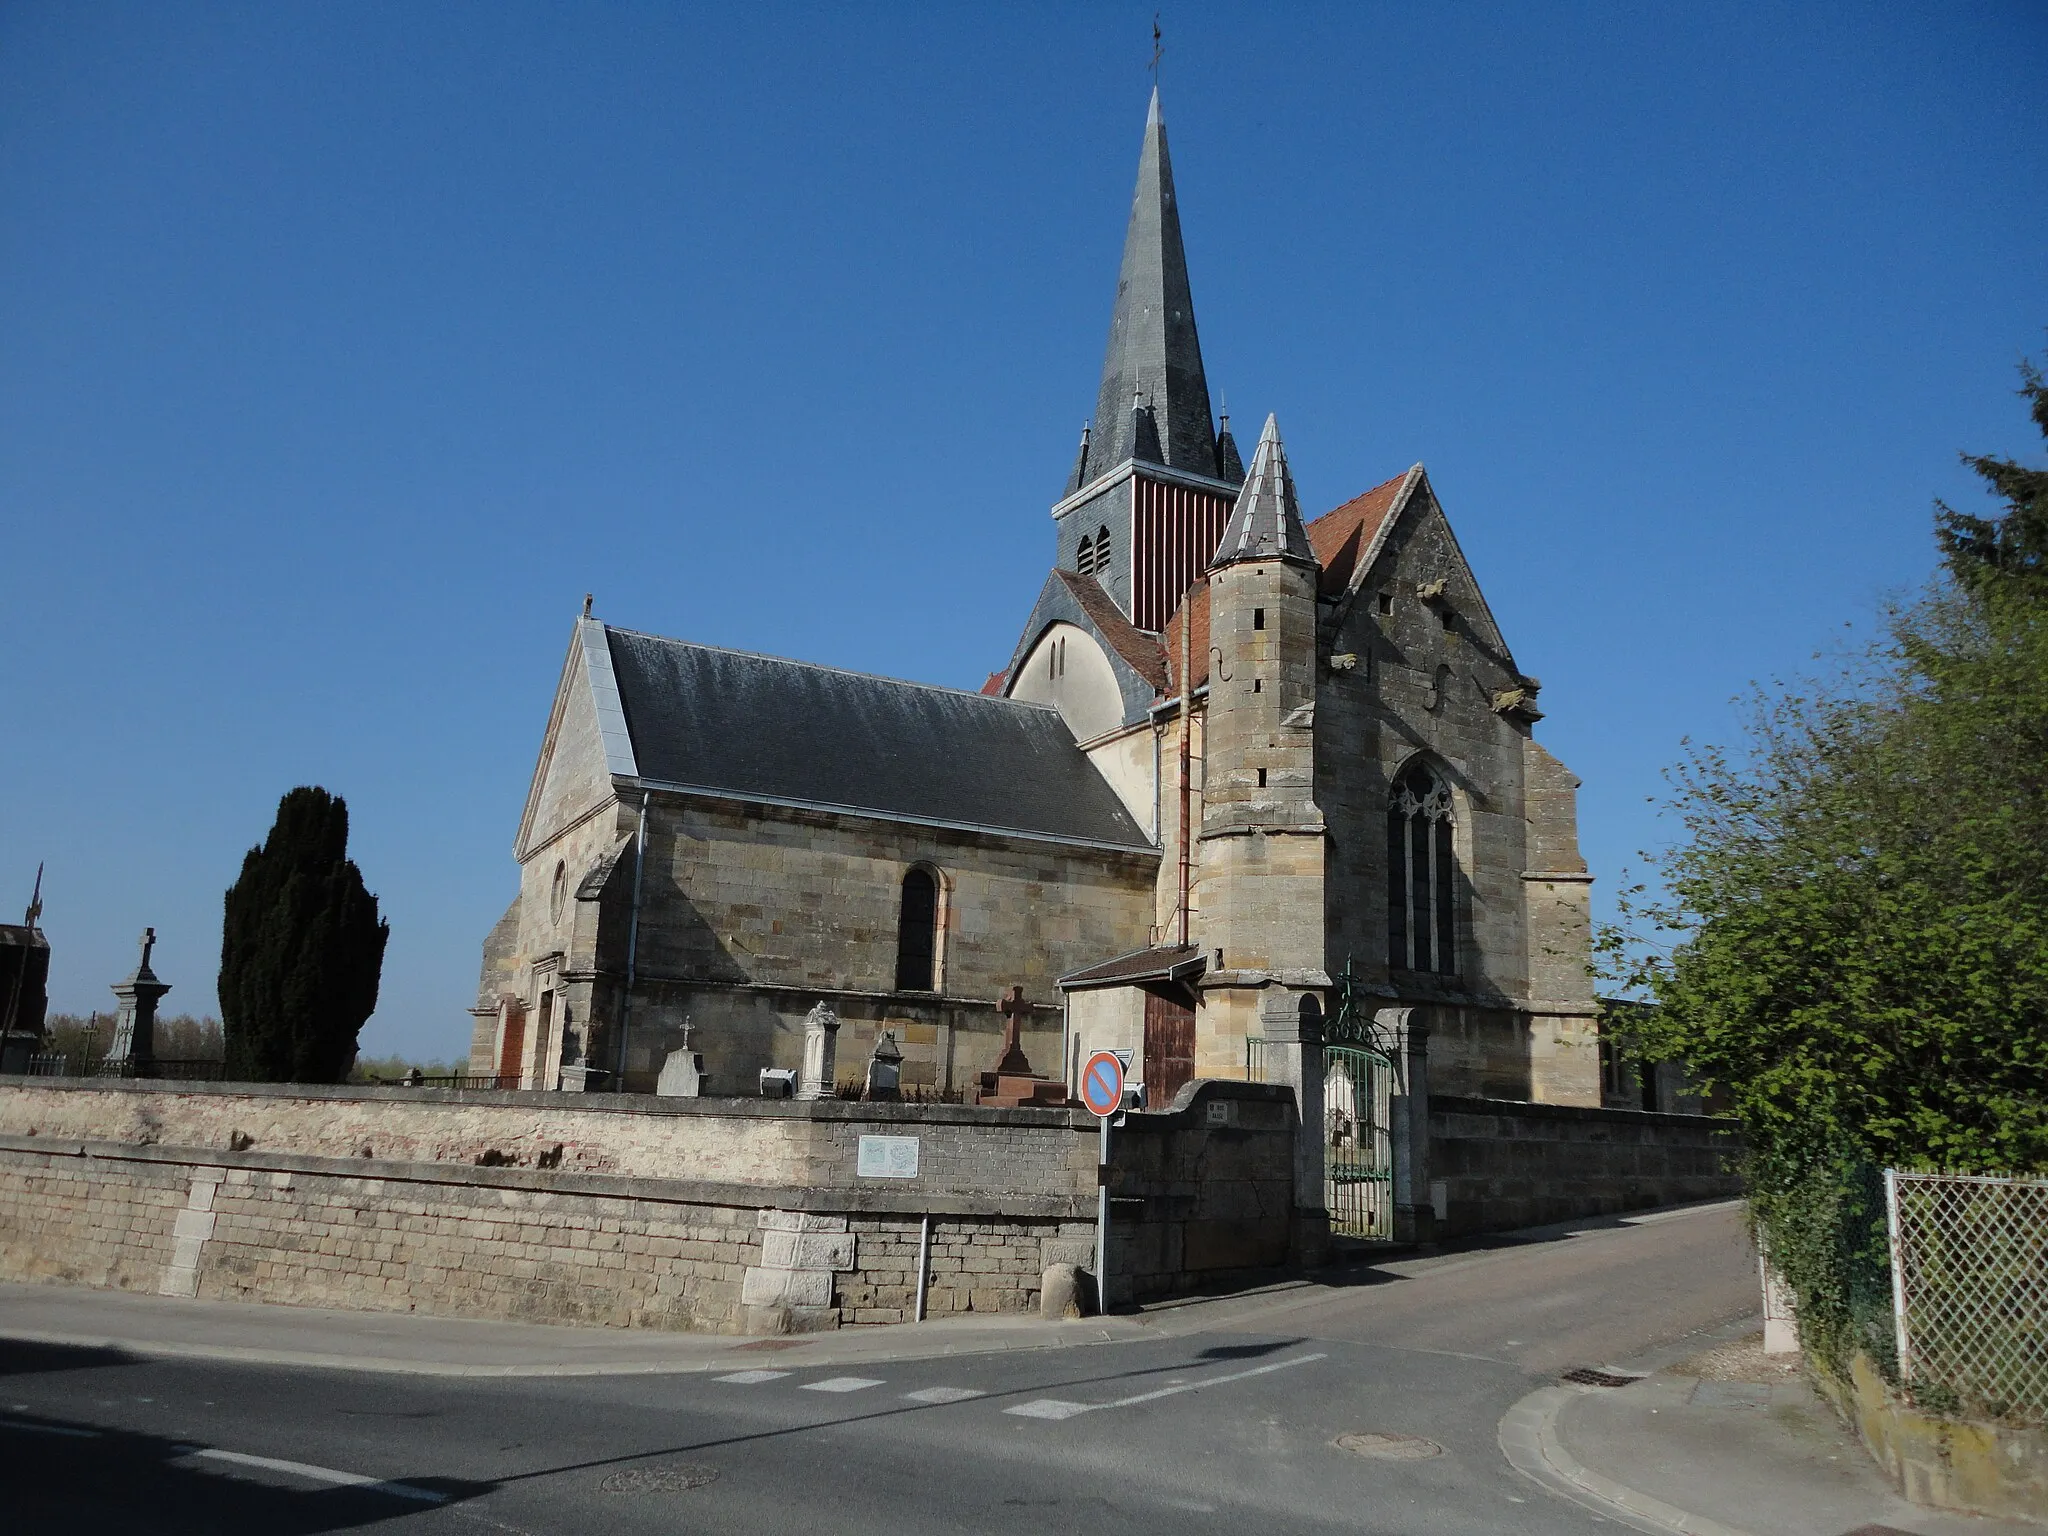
(821, 1053)
(132, 1052)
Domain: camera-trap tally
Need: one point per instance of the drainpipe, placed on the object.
(1187, 700)
(632, 940)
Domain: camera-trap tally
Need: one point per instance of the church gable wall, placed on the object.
(574, 778)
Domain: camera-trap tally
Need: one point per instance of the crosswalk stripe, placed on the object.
(942, 1395)
(750, 1378)
(841, 1384)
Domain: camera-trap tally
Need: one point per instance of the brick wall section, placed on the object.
(1507, 1165)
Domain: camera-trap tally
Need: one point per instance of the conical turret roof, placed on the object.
(1266, 524)
(1154, 400)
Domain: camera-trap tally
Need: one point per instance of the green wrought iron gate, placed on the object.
(1358, 1167)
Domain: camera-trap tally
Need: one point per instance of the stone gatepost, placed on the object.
(1292, 1025)
(1406, 1033)
(821, 1053)
(132, 1052)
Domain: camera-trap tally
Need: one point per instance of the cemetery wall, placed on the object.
(1505, 1165)
(720, 1215)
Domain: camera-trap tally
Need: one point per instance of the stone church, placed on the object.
(1238, 759)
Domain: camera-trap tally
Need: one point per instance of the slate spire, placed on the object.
(1266, 524)
(1154, 400)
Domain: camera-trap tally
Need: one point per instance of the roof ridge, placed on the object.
(821, 666)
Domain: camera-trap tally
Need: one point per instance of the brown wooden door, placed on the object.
(1169, 1049)
(512, 1047)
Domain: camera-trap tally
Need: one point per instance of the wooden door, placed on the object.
(511, 1046)
(1169, 1049)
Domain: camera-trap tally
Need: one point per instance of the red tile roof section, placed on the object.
(1341, 537)
(994, 685)
(1133, 644)
(1195, 607)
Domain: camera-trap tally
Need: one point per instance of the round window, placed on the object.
(559, 891)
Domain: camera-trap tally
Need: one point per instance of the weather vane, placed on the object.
(1157, 48)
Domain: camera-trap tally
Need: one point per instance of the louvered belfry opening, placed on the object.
(1176, 529)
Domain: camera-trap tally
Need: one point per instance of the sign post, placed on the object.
(1102, 1090)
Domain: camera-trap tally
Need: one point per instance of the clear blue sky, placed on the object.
(344, 347)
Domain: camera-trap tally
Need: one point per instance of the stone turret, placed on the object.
(1260, 891)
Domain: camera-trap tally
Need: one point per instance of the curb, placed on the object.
(1528, 1438)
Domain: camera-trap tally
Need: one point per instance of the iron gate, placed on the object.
(1358, 1087)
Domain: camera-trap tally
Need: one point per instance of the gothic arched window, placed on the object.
(917, 932)
(1421, 874)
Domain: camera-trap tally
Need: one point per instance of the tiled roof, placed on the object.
(1128, 641)
(1162, 963)
(1341, 537)
(994, 686)
(1196, 604)
(760, 727)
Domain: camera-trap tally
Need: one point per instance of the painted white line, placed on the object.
(841, 1384)
(315, 1474)
(1054, 1408)
(942, 1395)
(750, 1378)
(51, 1429)
(1049, 1408)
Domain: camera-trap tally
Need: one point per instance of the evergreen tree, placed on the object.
(301, 949)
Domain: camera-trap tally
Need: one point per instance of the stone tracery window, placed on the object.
(917, 932)
(1421, 873)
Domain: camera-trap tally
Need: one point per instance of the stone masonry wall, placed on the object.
(1506, 1165)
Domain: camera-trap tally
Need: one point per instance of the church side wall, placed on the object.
(750, 915)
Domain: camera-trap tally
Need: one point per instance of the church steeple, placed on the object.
(1154, 402)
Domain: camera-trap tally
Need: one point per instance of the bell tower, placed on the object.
(1260, 888)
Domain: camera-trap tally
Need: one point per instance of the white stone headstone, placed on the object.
(682, 1076)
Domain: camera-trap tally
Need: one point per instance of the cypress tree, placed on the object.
(301, 949)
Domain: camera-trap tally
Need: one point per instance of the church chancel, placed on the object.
(1235, 756)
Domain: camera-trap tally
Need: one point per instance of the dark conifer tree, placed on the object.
(301, 949)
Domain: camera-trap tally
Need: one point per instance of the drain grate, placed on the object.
(677, 1477)
(1586, 1376)
(1384, 1445)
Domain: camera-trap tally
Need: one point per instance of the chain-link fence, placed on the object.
(1970, 1291)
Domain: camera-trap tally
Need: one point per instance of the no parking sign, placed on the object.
(1102, 1083)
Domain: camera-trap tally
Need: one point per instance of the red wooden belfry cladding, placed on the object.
(1174, 530)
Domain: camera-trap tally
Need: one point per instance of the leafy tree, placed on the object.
(301, 949)
(1859, 901)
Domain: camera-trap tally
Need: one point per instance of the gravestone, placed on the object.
(885, 1070)
(132, 1052)
(1013, 1085)
(821, 1053)
(682, 1075)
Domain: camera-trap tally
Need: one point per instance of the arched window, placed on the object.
(917, 932)
(1421, 874)
(1101, 553)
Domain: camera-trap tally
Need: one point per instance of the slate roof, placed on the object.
(788, 732)
(1154, 357)
(1266, 522)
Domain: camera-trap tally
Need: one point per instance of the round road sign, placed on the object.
(1102, 1083)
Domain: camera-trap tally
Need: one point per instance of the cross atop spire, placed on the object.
(1266, 524)
(1154, 401)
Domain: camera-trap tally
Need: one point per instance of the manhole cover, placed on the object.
(675, 1478)
(1586, 1376)
(1383, 1445)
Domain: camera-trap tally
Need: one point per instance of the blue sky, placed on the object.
(343, 348)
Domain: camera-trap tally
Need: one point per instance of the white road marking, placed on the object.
(942, 1395)
(51, 1429)
(1050, 1408)
(750, 1378)
(1055, 1408)
(841, 1384)
(313, 1473)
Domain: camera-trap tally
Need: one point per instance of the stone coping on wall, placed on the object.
(1585, 1114)
(736, 1106)
(821, 1200)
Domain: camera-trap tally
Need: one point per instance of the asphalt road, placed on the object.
(1226, 1421)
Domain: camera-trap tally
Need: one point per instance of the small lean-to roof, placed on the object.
(1165, 962)
(751, 727)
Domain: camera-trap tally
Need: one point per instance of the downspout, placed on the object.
(1187, 700)
(632, 941)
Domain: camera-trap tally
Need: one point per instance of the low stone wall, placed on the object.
(723, 1215)
(1966, 1464)
(1501, 1164)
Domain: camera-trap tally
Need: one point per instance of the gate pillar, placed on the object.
(1406, 1033)
(1292, 1024)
